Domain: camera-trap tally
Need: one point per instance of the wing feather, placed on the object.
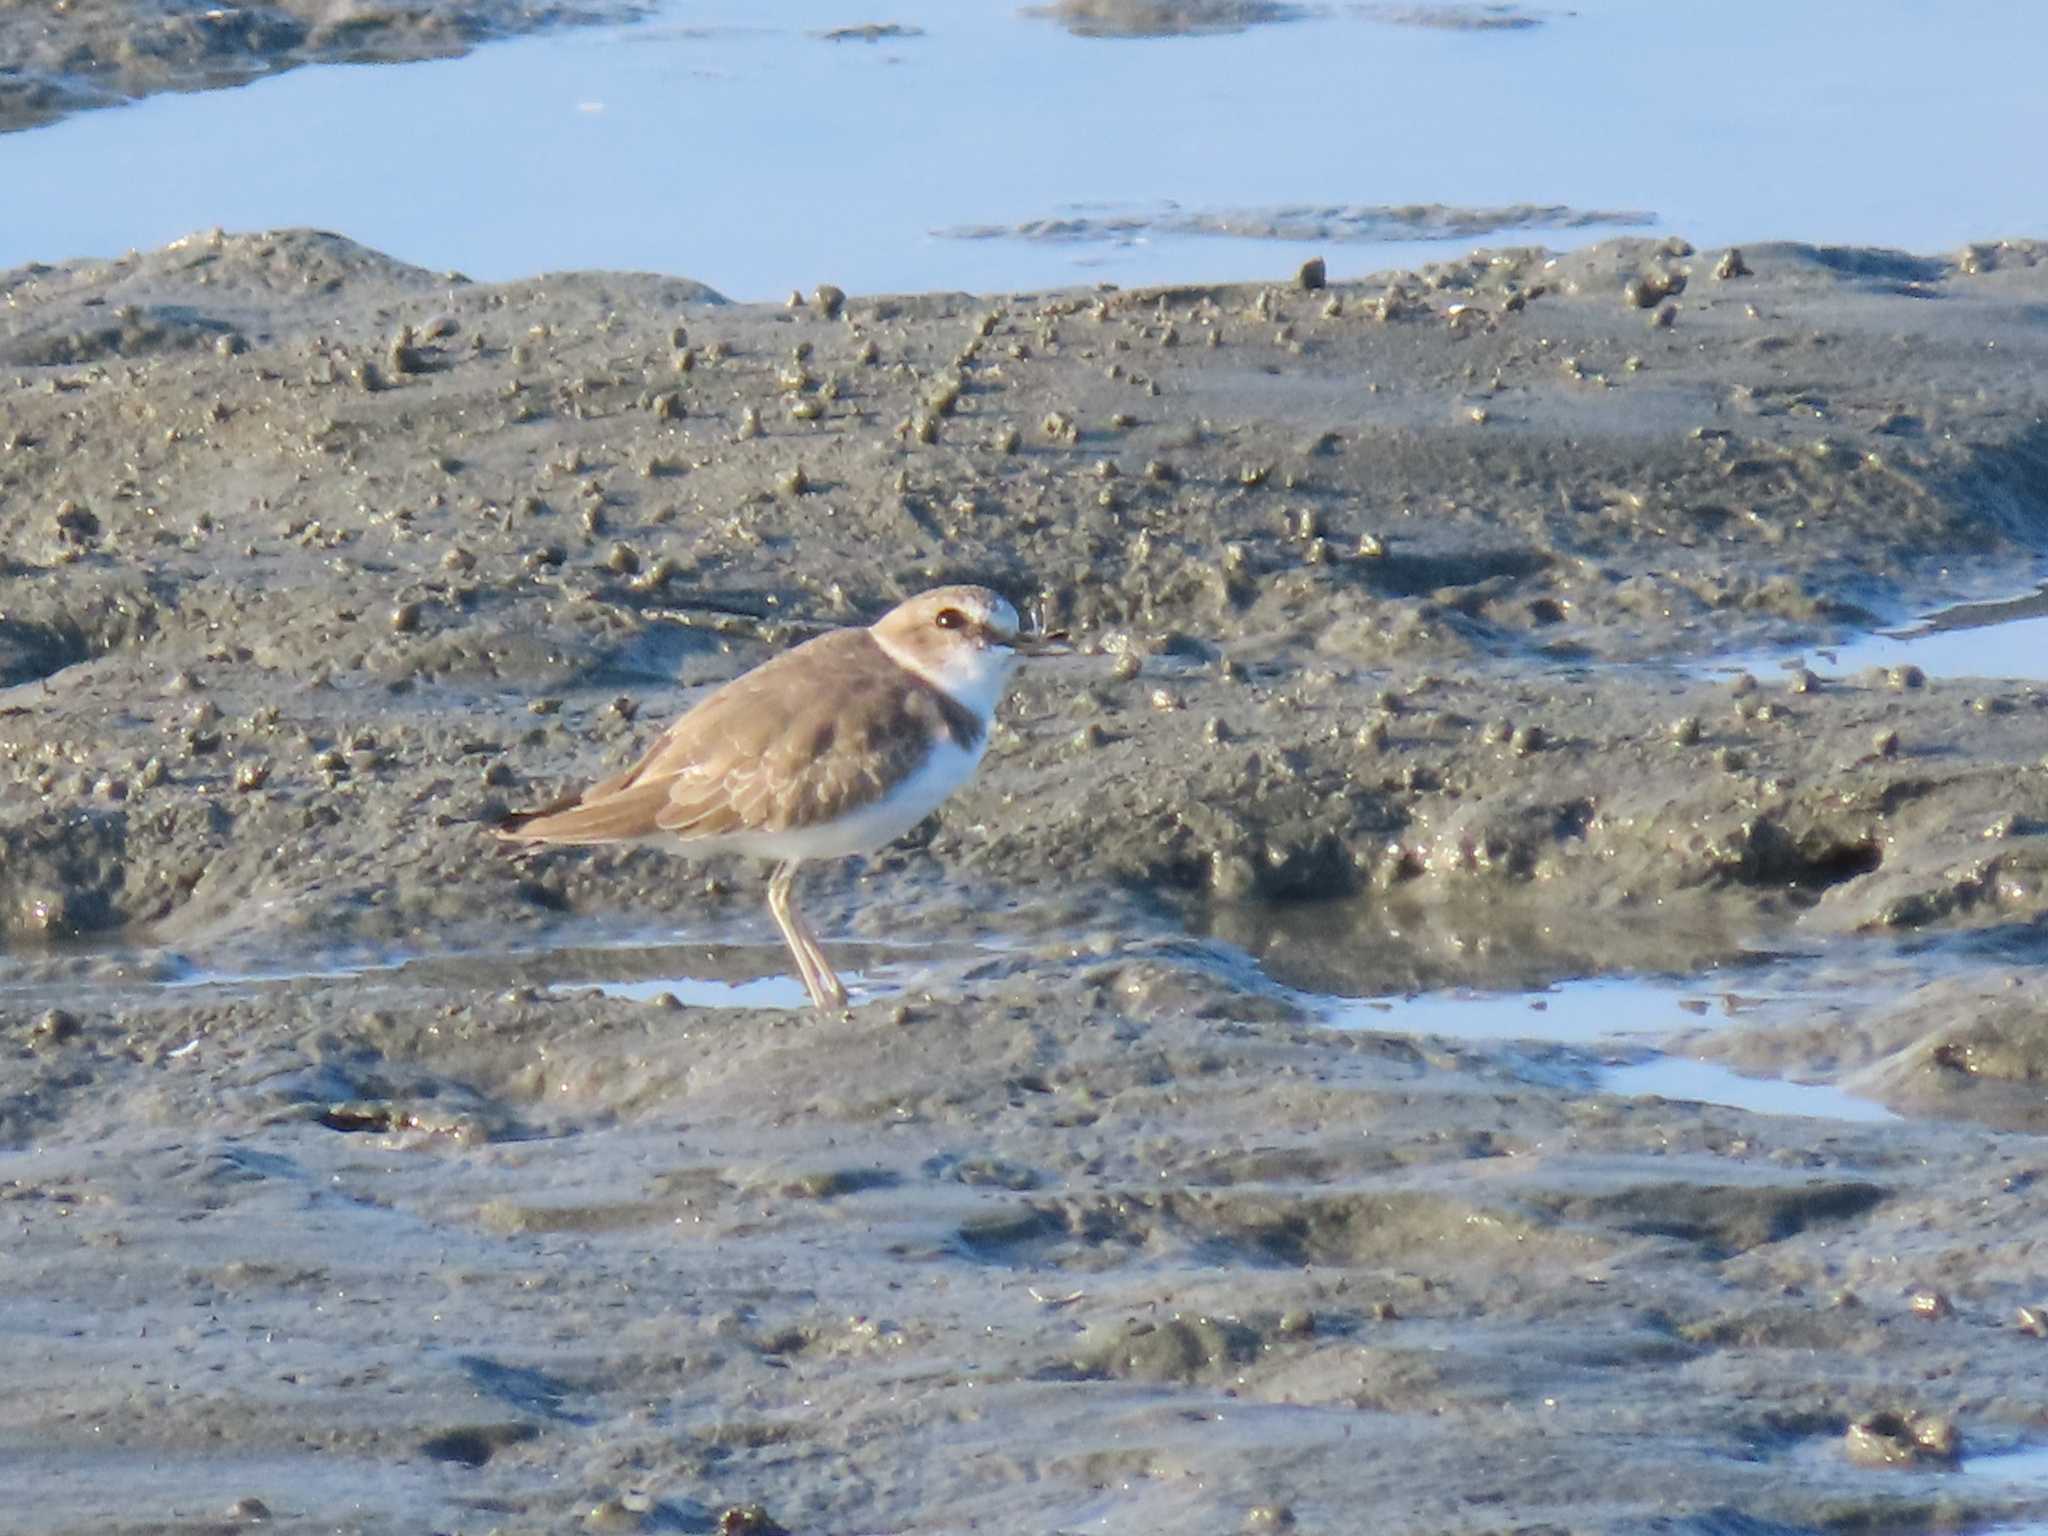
(755, 755)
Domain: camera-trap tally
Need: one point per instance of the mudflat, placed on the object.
(334, 1196)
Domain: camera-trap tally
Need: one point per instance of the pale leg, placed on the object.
(818, 976)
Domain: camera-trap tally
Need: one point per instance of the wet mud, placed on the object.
(335, 1185)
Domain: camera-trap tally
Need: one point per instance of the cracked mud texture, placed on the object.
(1390, 601)
(78, 54)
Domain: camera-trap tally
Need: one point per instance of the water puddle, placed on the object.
(1624, 1011)
(1634, 990)
(753, 150)
(1685, 1080)
(2007, 640)
(698, 992)
(1579, 1012)
(2021, 1467)
(640, 968)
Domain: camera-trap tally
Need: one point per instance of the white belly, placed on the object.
(873, 826)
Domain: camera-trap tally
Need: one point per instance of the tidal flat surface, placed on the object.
(336, 1189)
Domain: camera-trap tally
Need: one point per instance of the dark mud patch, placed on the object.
(1165, 18)
(1330, 223)
(1450, 17)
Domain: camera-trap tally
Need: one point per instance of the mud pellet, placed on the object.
(56, 1025)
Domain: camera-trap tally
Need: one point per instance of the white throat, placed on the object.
(971, 675)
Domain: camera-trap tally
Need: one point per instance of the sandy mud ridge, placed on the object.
(1397, 601)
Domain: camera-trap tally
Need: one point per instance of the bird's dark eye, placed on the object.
(950, 618)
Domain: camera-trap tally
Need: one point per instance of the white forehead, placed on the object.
(996, 612)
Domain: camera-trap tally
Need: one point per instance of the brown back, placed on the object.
(754, 755)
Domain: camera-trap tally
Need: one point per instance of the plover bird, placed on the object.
(837, 747)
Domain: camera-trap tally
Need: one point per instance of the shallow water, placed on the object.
(1626, 1012)
(2005, 639)
(1707, 1082)
(759, 157)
